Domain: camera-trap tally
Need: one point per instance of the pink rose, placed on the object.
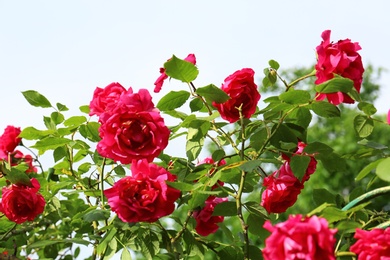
(306, 238)
(133, 129)
(22, 203)
(144, 196)
(388, 117)
(105, 99)
(160, 80)
(282, 190)
(9, 140)
(341, 58)
(372, 245)
(206, 223)
(242, 90)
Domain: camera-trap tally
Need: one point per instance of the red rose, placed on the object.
(206, 223)
(372, 245)
(22, 203)
(388, 117)
(242, 90)
(160, 80)
(341, 58)
(133, 130)
(282, 190)
(309, 238)
(9, 140)
(144, 196)
(105, 99)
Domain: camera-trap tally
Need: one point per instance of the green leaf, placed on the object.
(173, 100)
(299, 164)
(182, 186)
(333, 214)
(364, 125)
(106, 240)
(317, 147)
(226, 208)
(180, 69)
(325, 109)
(300, 116)
(255, 225)
(42, 243)
(193, 148)
(197, 199)
(14, 175)
(274, 64)
(84, 109)
(295, 97)
(373, 145)
(31, 133)
(368, 108)
(196, 104)
(218, 155)
(337, 84)
(96, 214)
(36, 99)
(321, 196)
(366, 170)
(75, 121)
(383, 169)
(282, 136)
(61, 107)
(249, 166)
(348, 226)
(213, 93)
(231, 253)
(125, 254)
(49, 143)
(57, 117)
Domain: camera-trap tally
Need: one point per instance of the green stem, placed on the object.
(311, 74)
(384, 224)
(102, 183)
(244, 226)
(189, 215)
(339, 254)
(369, 195)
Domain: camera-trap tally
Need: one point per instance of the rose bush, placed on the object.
(114, 188)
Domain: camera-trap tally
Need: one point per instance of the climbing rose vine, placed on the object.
(202, 172)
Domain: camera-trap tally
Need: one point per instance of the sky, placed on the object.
(65, 49)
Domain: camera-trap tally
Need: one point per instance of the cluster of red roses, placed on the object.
(20, 202)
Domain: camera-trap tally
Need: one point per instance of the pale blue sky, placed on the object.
(64, 49)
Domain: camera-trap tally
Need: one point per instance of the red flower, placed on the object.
(160, 80)
(9, 140)
(206, 223)
(311, 168)
(341, 58)
(242, 90)
(309, 238)
(22, 203)
(282, 190)
(372, 245)
(144, 196)
(133, 129)
(105, 99)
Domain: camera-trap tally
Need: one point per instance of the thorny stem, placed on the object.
(189, 215)
(244, 226)
(339, 254)
(102, 183)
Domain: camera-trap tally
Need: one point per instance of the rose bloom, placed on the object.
(160, 80)
(372, 245)
(104, 99)
(388, 117)
(341, 58)
(282, 190)
(21, 203)
(133, 130)
(144, 196)
(242, 90)
(9, 140)
(306, 238)
(206, 223)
